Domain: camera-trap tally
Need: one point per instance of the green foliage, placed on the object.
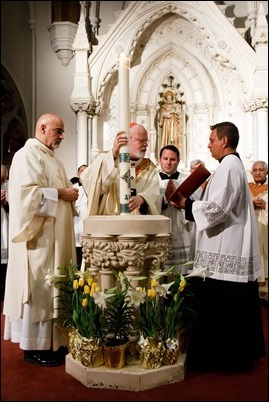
(151, 317)
(77, 305)
(169, 306)
(87, 319)
(118, 317)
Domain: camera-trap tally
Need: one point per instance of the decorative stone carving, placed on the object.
(62, 35)
(136, 244)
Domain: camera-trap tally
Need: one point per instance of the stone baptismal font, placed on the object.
(136, 245)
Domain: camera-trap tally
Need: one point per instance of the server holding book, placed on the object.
(229, 333)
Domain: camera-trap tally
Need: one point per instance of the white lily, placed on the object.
(100, 298)
(137, 296)
(197, 272)
(163, 289)
(52, 279)
(159, 274)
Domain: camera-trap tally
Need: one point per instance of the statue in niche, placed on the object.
(170, 120)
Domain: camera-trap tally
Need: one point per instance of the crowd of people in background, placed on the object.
(223, 226)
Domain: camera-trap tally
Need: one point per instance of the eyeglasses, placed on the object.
(58, 131)
(142, 142)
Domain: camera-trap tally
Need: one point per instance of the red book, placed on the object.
(191, 184)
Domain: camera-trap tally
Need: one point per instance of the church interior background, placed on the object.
(211, 57)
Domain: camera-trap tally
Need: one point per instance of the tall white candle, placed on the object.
(124, 121)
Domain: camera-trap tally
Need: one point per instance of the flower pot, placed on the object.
(91, 352)
(151, 353)
(74, 343)
(171, 351)
(114, 354)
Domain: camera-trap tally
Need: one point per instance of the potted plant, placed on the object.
(117, 321)
(80, 309)
(167, 312)
(151, 319)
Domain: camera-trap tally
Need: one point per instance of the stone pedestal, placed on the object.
(136, 245)
(132, 377)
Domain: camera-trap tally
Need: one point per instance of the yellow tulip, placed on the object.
(90, 281)
(84, 302)
(93, 288)
(153, 293)
(86, 289)
(75, 284)
(182, 285)
(153, 282)
(81, 282)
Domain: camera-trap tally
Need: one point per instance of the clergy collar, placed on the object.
(171, 176)
(232, 153)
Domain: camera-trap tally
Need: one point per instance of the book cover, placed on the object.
(191, 183)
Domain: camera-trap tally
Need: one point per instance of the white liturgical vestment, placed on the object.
(227, 240)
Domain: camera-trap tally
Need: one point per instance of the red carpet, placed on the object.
(22, 381)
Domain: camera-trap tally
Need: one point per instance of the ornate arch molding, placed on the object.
(215, 50)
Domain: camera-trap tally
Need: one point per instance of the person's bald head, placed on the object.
(138, 141)
(50, 130)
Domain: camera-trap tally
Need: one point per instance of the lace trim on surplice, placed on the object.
(213, 213)
(221, 265)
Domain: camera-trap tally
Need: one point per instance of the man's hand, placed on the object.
(3, 197)
(68, 194)
(135, 202)
(120, 140)
(181, 201)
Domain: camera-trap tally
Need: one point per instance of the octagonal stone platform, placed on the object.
(132, 377)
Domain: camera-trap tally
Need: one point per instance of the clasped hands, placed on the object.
(68, 194)
(259, 203)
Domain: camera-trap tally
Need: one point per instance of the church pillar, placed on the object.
(248, 138)
(262, 133)
(82, 143)
(94, 149)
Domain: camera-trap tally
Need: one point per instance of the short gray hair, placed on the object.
(195, 161)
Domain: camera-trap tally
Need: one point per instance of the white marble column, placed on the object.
(262, 134)
(94, 149)
(82, 141)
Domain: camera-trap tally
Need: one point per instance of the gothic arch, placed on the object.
(13, 119)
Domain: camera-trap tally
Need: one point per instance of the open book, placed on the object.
(190, 184)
